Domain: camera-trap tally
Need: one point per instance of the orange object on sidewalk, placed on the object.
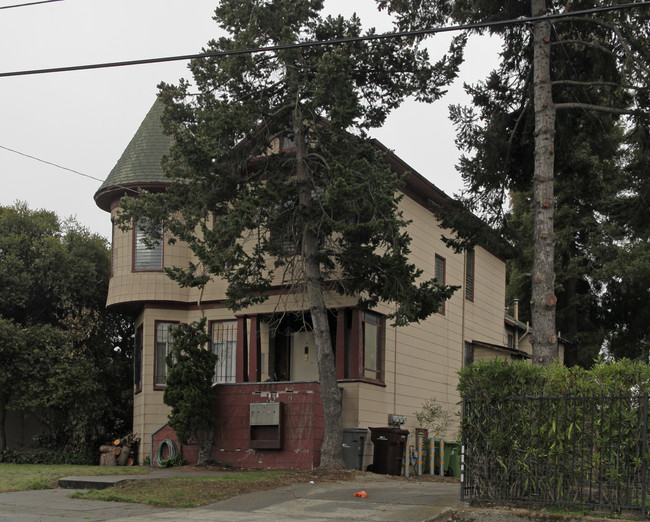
(361, 494)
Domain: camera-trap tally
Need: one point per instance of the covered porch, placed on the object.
(280, 347)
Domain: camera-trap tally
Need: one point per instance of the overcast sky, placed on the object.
(84, 120)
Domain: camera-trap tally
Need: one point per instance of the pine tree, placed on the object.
(584, 74)
(319, 211)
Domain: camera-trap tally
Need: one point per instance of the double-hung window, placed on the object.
(440, 269)
(372, 342)
(469, 275)
(224, 345)
(137, 360)
(146, 256)
(163, 346)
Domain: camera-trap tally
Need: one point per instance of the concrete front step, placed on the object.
(93, 482)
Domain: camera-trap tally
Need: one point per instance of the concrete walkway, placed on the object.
(389, 499)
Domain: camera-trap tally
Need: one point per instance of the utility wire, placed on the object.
(30, 3)
(336, 41)
(64, 168)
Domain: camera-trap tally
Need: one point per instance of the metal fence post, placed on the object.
(462, 451)
(419, 452)
(407, 457)
(644, 457)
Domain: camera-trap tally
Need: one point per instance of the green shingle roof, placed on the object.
(140, 161)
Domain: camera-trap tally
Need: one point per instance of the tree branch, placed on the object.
(588, 106)
(594, 84)
(514, 130)
(627, 48)
(586, 43)
(519, 120)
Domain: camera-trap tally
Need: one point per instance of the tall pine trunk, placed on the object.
(543, 302)
(205, 440)
(331, 449)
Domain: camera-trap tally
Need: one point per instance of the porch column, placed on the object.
(356, 355)
(340, 344)
(254, 352)
(242, 349)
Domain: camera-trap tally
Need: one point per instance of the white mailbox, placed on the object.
(265, 414)
(265, 425)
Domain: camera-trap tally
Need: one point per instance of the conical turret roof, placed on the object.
(140, 162)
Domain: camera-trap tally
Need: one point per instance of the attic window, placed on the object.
(287, 143)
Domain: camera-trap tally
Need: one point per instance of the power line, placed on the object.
(336, 41)
(64, 168)
(28, 4)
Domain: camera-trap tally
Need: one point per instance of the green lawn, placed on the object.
(189, 492)
(23, 477)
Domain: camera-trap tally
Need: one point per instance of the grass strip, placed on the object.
(26, 477)
(189, 492)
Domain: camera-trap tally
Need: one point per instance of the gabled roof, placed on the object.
(140, 162)
(511, 321)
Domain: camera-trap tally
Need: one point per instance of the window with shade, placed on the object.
(440, 270)
(224, 346)
(147, 255)
(163, 346)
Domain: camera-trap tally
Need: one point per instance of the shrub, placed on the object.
(46, 456)
(543, 432)
(433, 417)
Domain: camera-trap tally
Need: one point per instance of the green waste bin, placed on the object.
(354, 442)
(454, 458)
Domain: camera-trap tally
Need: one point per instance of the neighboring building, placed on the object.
(518, 343)
(267, 356)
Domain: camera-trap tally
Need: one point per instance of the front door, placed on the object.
(304, 363)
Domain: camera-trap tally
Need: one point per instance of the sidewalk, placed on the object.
(389, 499)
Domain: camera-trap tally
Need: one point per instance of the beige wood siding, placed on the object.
(420, 361)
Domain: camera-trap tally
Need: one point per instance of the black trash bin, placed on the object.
(354, 441)
(388, 454)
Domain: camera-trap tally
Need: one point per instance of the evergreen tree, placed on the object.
(626, 254)
(189, 387)
(58, 357)
(552, 122)
(319, 212)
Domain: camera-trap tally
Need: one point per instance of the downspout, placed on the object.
(395, 369)
(462, 320)
(516, 312)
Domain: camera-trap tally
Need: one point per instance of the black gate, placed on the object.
(566, 451)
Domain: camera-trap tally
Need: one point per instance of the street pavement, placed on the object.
(389, 499)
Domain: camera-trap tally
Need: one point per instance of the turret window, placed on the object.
(147, 252)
